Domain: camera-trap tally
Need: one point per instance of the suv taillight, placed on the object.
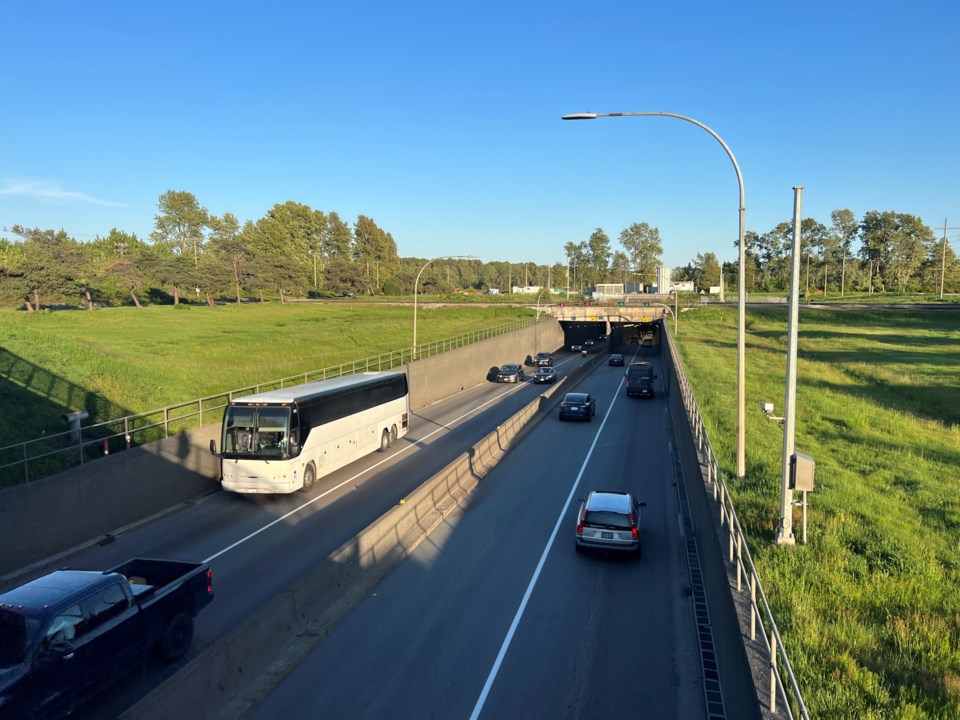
(636, 533)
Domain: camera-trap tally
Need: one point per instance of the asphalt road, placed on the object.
(496, 615)
(259, 546)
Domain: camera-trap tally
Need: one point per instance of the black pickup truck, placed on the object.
(67, 635)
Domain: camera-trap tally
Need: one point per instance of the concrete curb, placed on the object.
(232, 676)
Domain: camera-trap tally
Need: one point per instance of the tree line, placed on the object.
(880, 252)
(295, 251)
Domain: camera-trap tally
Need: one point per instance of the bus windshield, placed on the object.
(257, 432)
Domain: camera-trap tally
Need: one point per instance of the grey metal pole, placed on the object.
(785, 532)
(413, 349)
(416, 282)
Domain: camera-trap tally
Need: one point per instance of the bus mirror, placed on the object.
(213, 446)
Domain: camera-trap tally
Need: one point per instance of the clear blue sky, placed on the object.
(441, 120)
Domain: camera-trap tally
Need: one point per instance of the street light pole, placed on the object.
(742, 312)
(413, 351)
(542, 291)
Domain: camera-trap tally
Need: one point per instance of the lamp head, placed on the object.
(580, 116)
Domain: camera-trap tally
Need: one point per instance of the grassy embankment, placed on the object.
(123, 360)
(869, 608)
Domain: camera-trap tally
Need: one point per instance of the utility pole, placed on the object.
(943, 256)
(843, 270)
(785, 531)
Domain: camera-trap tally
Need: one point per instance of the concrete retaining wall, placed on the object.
(47, 517)
(441, 376)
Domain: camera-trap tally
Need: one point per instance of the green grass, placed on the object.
(869, 609)
(119, 361)
(833, 297)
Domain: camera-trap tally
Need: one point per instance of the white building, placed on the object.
(608, 291)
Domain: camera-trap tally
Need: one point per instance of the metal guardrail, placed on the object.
(33, 459)
(782, 678)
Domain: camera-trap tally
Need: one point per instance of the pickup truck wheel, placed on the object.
(176, 639)
(309, 475)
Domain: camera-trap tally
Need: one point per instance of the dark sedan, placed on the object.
(543, 359)
(545, 375)
(510, 373)
(615, 359)
(578, 406)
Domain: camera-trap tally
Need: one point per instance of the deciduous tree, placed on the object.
(180, 224)
(642, 245)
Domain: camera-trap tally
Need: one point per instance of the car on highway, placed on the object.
(634, 339)
(609, 520)
(543, 359)
(602, 338)
(545, 375)
(616, 359)
(647, 343)
(511, 372)
(576, 347)
(578, 406)
(589, 343)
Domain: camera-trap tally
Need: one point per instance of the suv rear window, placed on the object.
(607, 518)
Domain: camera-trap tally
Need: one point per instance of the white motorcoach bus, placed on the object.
(281, 441)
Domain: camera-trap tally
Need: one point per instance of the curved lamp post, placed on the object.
(416, 283)
(741, 316)
(542, 291)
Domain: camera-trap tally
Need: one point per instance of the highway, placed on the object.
(259, 546)
(496, 615)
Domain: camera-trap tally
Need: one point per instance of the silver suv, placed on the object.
(609, 520)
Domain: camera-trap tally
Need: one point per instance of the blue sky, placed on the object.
(441, 120)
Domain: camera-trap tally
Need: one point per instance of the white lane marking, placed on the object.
(478, 708)
(359, 474)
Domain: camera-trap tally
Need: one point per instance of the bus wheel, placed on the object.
(384, 441)
(309, 475)
(393, 435)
